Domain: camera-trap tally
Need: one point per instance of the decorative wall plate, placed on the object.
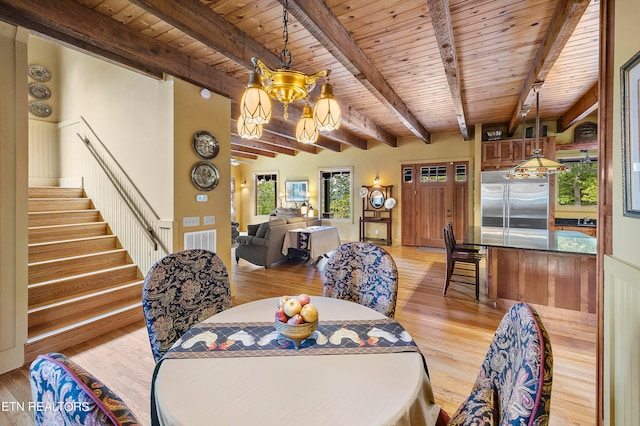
(205, 176)
(39, 73)
(363, 192)
(206, 145)
(39, 108)
(390, 203)
(39, 91)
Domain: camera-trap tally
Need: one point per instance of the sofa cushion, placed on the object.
(252, 229)
(262, 229)
(295, 219)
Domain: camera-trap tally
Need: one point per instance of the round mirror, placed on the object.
(376, 199)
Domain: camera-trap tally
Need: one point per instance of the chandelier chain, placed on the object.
(285, 54)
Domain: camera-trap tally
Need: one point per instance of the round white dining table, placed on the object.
(351, 389)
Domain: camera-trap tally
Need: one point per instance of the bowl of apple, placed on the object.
(296, 318)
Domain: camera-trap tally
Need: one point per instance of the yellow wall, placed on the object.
(379, 160)
(13, 196)
(194, 113)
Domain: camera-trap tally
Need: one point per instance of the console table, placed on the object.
(374, 210)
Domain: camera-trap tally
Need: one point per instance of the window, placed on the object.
(433, 174)
(579, 187)
(266, 193)
(335, 193)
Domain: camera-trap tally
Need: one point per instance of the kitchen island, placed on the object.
(555, 269)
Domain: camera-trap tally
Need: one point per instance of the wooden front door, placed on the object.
(432, 195)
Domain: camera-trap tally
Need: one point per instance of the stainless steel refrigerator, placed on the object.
(514, 203)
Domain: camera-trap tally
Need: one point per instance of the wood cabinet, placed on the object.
(505, 154)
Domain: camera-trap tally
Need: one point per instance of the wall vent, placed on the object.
(200, 240)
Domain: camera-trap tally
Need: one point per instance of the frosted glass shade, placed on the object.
(306, 130)
(255, 105)
(326, 113)
(248, 130)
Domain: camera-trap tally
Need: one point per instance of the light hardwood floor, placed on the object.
(453, 332)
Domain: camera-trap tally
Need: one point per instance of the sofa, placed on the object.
(262, 245)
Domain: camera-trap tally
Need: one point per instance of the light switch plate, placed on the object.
(191, 221)
(209, 220)
(201, 198)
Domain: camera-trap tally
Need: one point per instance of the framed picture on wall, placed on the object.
(630, 77)
(296, 191)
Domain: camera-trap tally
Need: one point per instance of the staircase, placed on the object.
(82, 283)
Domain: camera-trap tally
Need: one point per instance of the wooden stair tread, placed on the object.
(84, 322)
(58, 340)
(91, 238)
(67, 225)
(66, 301)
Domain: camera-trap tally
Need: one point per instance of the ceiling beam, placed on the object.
(564, 20)
(441, 20)
(318, 19)
(244, 155)
(200, 22)
(18, 17)
(235, 148)
(262, 146)
(586, 105)
(99, 33)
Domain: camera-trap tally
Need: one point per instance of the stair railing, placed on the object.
(116, 178)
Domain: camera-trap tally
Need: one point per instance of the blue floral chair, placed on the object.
(66, 394)
(181, 290)
(363, 273)
(514, 383)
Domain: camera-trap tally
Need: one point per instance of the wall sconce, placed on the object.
(243, 184)
(376, 181)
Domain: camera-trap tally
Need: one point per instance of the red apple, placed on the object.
(309, 312)
(292, 307)
(304, 299)
(281, 316)
(296, 319)
(282, 301)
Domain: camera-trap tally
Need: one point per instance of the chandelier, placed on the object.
(537, 166)
(286, 86)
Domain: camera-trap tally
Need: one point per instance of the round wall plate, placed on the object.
(205, 176)
(363, 192)
(206, 145)
(39, 73)
(390, 203)
(39, 108)
(39, 91)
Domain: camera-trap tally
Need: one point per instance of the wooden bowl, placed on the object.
(296, 332)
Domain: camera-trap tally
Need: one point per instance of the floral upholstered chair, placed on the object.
(514, 383)
(181, 290)
(363, 273)
(66, 394)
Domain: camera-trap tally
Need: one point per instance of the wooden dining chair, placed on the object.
(513, 386)
(461, 247)
(67, 394)
(180, 290)
(460, 256)
(363, 273)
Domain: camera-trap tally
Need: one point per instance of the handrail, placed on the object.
(150, 233)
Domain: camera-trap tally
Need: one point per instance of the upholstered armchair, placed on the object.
(514, 383)
(181, 290)
(363, 273)
(67, 394)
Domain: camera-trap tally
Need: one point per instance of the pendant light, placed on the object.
(537, 166)
(287, 86)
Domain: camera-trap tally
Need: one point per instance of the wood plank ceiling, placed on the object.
(399, 68)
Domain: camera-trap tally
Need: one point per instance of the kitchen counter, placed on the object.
(532, 239)
(553, 270)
